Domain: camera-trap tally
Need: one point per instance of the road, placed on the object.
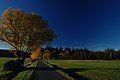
(44, 72)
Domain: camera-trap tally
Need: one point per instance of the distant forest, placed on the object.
(6, 53)
(83, 54)
(68, 53)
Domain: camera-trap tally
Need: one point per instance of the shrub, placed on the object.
(36, 55)
(12, 65)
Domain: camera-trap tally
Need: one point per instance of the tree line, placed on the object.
(79, 54)
(67, 53)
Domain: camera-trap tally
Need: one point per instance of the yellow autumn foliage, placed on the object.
(36, 54)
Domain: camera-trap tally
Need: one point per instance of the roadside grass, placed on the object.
(24, 75)
(59, 71)
(91, 69)
(2, 62)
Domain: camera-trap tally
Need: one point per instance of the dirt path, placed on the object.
(44, 72)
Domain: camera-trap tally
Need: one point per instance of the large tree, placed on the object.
(24, 31)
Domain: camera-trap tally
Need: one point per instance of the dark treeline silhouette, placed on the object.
(82, 54)
(6, 53)
(68, 53)
(9, 53)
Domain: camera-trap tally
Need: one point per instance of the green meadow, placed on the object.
(75, 69)
(90, 69)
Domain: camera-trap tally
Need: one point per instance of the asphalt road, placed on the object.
(44, 72)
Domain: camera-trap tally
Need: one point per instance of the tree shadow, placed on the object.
(11, 75)
(71, 72)
(14, 73)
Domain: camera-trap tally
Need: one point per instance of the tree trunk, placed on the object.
(20, 61)
(24, 56)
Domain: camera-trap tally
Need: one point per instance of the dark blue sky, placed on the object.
(94, 24)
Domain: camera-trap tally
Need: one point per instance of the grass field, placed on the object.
(2, 61)
(24, 75)
(90, 69)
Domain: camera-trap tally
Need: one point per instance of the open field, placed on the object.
(90, 69)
